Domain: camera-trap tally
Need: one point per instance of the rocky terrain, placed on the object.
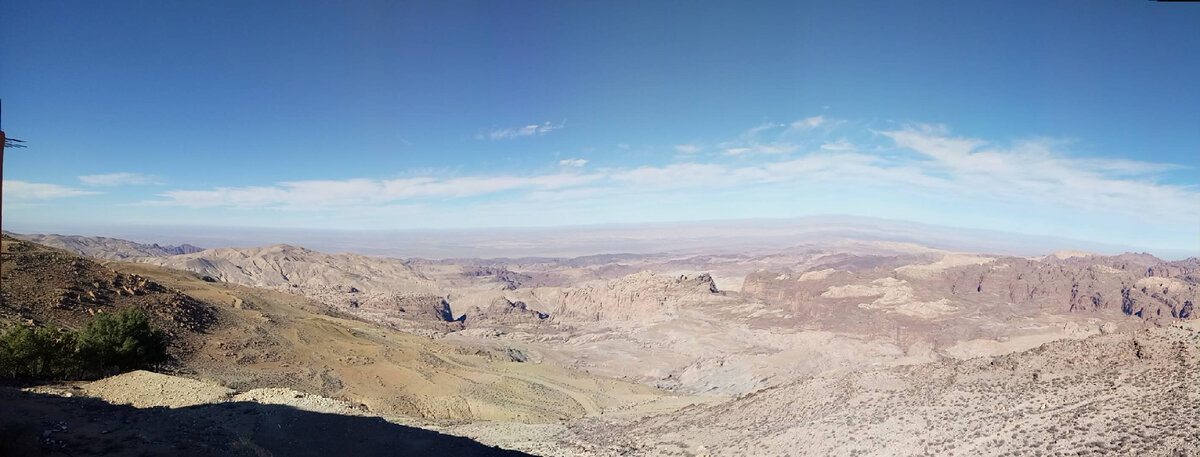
(1129, 393)
(641, 296)
(255, 338)
(763, 318)
(44, 286)
(813, 344)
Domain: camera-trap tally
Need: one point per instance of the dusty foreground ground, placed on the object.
(54, 425)
(1128, 393)
(1133, 393)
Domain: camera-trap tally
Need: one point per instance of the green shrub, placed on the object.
(42, 353)
(106, 345)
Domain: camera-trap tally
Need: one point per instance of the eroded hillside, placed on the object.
(1131, 393)
(263, 338)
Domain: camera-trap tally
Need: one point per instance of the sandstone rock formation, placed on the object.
(501, 311)
(1134, 285)
(640, 296)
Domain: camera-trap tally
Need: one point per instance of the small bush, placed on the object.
(106, 345)
(36, 353)
(125, 342)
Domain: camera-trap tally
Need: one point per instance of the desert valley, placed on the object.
(837, 347)
(614, 229)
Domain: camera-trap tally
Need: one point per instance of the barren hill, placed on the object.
(263, 338)
(381, 289)
(47, 286)
(106, 248)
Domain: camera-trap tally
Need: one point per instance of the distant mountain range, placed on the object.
(106, 248)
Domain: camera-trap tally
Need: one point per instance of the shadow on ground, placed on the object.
(39, 424)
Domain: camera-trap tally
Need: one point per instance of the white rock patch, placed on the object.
(894, 295)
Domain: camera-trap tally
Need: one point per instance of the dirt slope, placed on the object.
(77, 426)
(46, 286)
(1120, 394)
(262, 338)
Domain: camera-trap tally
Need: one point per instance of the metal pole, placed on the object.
(3, 140)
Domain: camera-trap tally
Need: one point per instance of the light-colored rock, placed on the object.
(144, 389)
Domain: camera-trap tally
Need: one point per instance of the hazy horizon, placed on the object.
(727, 236)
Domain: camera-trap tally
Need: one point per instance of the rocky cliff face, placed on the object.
(417, 307)
(640, 296)
(502, 311)
(1141, 286)
(1135, 285)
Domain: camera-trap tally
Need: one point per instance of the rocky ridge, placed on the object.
(106, 248)
(641, 296)
(46, 286)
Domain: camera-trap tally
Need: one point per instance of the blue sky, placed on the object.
(1074, 119)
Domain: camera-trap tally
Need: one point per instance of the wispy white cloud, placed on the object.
(819, 124)
(326, 194)
(838, 145)
(118, 179)
(23, 191)
(773, 148)
(1035, 171)
(687, 148)
(969, 171)
(753, 132)
(809, 123)
(517, 132)
(573, 162)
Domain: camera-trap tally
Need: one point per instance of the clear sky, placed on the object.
(1068, 118)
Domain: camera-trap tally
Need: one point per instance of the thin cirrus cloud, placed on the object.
(971, 171)
(687, 148)
(773, 148)
(808, 123)
(119, 179)
(326, 194)
(1033, 171)
(24, 191)
(573, 162)
(838, 145)
(518, 132)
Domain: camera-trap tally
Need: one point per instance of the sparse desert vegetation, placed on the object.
(106, 345)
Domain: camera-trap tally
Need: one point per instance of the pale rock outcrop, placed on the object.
(639, 296)
(502, 311)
